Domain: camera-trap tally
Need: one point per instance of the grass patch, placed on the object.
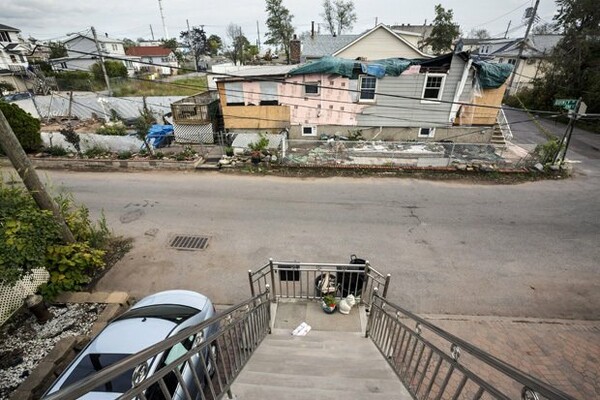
(181, 87)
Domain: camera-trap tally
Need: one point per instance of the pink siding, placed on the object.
(330, 107)
(252, 92)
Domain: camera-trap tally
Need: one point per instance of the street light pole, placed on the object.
(102, 62)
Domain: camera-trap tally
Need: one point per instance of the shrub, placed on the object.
(546, 152)
(72, 138)
(56, 151)
(25, 127)
(96, 151)
(71, 267)
(6, 87)
(74, 80)
(112, 129)
(124, 155)
(114, 69)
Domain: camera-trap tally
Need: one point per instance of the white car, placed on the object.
(151, 320)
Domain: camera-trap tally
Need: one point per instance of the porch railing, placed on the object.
(241, 329)
(299, 280)
(434, 364)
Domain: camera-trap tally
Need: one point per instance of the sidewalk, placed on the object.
(564, 353)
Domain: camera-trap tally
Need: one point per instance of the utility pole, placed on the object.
(162, 17)
(522, 46)
(192, 47)
(11, 146)
(152, 32)
(102, 62)
(257, 36)
(507, 28)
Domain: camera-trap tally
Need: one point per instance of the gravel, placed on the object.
(24, 342)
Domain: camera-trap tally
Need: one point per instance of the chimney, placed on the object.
(105, 34)
(312, 29)
(295, 50)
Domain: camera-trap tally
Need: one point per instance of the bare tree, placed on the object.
(237, 40)
(339, 15)
(480, 34)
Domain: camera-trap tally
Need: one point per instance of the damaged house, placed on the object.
(390, 99)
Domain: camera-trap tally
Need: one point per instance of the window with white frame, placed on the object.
(368, 84)
(311, 88)
(434, 87)
(426, 132)
(4, 37)
(309, 130)
(512, 61)
(115, 47)
(63, 65)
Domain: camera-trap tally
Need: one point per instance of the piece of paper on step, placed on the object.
(304, 330)
(299, 328)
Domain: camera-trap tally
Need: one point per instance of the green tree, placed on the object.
(127, 43)
(444, 31)
(339, 15)
(25, 127)
(114, 69)
(197, 41)
(279, 25)
(573, 69)
(57, 50)
(215, 45)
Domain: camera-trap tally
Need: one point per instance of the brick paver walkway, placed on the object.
(564, 353)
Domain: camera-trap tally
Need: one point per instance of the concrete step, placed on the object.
(321, 365)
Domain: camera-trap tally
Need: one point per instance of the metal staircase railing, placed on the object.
(504, 126)
(241, 329)
(463, 371)
(298, 280)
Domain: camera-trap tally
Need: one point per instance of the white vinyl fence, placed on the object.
(12, 297)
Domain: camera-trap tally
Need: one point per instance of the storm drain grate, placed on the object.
(188, 242)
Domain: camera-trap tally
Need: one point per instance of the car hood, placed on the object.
(130, 336)
(179, 297)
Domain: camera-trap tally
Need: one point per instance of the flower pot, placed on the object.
(327, 309)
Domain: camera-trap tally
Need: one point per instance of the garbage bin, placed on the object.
(351, 282)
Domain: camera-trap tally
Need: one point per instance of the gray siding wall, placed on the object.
(402, 112)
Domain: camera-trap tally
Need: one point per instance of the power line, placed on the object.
(503, 15)
(320, 86)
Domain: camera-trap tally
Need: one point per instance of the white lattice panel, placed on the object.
(194, 133)
(11, 298)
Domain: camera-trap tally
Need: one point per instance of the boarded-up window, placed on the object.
(268, 93)
(234, 93)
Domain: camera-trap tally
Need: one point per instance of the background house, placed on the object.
(377, 43)
(409, 101)
(163, 59)
(82, 53)
(536, 50)
(13, 60)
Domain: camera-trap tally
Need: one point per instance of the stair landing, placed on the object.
(333, 361)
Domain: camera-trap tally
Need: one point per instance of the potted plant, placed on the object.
(329, 304)
(257, 148)
(228, 151)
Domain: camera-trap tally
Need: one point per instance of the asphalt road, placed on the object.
(509, 250)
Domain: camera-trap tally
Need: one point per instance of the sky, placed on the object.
(53, 19)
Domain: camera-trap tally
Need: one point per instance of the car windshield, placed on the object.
(93, 363)
(171, 312)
